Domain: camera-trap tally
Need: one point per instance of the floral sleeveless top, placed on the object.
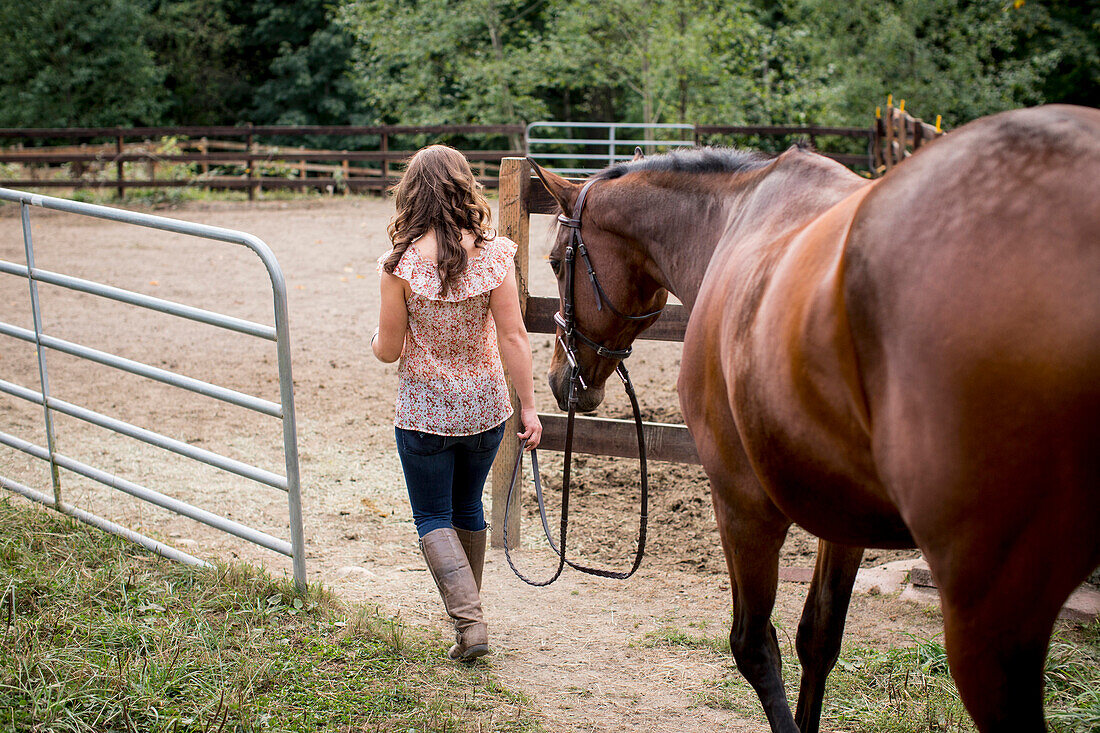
(451, 380)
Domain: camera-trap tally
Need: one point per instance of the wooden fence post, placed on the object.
(515, 178)
(248, 163)
(889, 142)
(385, 163)
(118, 150)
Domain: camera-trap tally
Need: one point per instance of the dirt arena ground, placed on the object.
(577, 648)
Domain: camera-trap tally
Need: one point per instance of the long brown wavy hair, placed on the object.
(438, 192)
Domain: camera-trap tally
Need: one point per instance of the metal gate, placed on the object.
(599, 144)
(43, 342)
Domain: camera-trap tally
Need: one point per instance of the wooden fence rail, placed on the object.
(293, 164)
(522, 194)
(244, 131)
(232, 157)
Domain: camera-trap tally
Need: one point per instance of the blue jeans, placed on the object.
(445, 476)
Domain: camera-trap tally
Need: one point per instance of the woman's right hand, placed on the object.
(532, 427)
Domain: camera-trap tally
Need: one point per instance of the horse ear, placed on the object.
(637, 154)
(564, 192)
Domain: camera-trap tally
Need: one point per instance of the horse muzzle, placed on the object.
(587, 399)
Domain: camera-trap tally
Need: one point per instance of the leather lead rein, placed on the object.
(567, 322)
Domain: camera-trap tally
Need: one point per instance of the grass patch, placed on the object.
(670, 636)
(1073, 679)
(97, 635)
(909, 689)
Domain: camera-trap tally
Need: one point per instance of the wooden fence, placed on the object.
(225, 157)
(522, 194)
(897, 135)
(239, 162)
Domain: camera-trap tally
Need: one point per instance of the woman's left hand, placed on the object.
(532, 427)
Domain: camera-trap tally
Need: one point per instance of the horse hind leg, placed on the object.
(997, 631)
(822, 626)
(752, 555)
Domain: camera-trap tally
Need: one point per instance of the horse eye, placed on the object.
(555, 265)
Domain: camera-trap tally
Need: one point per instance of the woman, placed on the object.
(450, 311)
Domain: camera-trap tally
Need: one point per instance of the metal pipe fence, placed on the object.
(44, 343)
(583, 148)
(603, 143)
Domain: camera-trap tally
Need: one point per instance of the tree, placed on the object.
(956, 58)
(687, 61)
(1067, 34)
(58, 72)
(434, 61)
(196, 43)
(310, 82)
(262, 61)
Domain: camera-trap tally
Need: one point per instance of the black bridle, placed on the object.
(571, 336)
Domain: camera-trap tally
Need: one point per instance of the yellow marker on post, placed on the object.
(939, 118)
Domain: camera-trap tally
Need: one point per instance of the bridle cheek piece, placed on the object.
(571, 336)
(566, 319)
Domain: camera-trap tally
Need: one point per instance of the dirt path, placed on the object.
(578, 649)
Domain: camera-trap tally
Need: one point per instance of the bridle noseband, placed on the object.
(566, 320)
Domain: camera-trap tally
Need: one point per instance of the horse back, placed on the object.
(971, 283)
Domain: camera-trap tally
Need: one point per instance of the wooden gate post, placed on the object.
(515, 179)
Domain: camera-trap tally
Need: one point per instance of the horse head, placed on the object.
(614, 294)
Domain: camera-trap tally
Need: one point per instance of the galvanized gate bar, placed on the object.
(146, 301)
(285, 410)
(104, 524)
(43, 376)
(144, 370)
(187, 450)
(153, 497)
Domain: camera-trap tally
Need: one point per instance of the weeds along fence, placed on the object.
(522, 194)
(247, 157)
(44, 344)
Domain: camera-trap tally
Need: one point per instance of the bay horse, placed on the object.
(912, 361)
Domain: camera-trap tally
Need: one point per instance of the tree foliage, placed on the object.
(55, 72)
(195, 42)
(119, 62)
(957, 58)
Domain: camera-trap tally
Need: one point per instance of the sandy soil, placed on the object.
(577, 648)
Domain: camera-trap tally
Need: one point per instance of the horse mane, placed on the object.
(694, 160)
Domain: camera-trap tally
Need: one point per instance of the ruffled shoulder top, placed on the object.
(483, 273)
(451, 379)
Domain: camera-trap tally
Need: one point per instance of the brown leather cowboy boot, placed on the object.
(453, 576)
(473, 544)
